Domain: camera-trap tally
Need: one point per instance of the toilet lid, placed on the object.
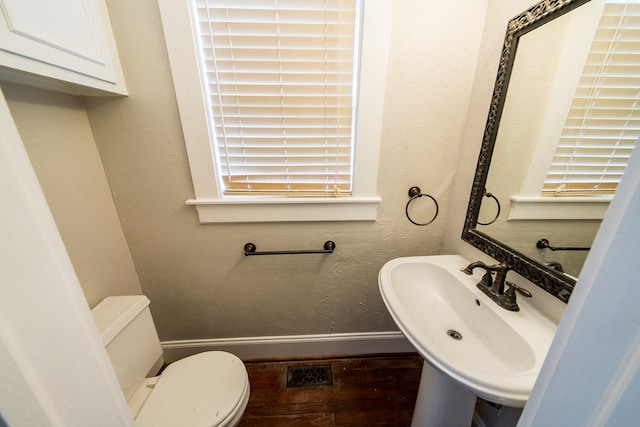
(200, 390)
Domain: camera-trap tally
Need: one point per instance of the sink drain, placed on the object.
(454, 334)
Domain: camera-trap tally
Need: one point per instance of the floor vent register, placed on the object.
(309, 376)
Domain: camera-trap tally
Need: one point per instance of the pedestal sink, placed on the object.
(471, 346)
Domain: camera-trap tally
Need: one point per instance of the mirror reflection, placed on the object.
(569, 122)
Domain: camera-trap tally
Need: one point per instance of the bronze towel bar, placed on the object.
(329, 246)
(544, 244)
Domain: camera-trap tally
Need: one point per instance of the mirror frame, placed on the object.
(548, 279)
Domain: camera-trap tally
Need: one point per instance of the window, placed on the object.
(280, 87)
(271, 125)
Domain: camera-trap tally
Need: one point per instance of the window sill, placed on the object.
(286, 209)
(558, 208)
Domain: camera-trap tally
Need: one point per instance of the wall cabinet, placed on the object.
(66, 45)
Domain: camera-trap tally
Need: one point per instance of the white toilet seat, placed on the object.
(204, 390)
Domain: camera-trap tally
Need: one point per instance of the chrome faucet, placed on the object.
(494, 287)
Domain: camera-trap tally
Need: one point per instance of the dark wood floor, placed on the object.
(366, 391)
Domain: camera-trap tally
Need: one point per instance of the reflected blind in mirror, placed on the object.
(603, 124)
(281, 76)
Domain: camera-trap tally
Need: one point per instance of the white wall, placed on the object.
(499, 12)
(55, 131)
(54, 369)
(199, 282)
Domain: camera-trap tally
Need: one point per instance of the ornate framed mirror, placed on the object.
(549, 39)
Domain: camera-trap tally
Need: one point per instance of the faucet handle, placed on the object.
(501, 267)
(518, 289)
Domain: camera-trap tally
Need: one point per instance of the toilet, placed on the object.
(205, 389)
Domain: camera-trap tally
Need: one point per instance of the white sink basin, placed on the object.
(499, 354)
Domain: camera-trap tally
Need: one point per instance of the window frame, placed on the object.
(211, 204)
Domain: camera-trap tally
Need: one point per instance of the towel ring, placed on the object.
(415, 193)
(485, 194)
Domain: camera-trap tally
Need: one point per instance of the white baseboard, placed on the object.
(289, 347)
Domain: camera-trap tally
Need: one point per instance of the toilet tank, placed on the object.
(130, 337)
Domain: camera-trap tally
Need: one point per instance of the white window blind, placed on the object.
(603, 124)
(281, 77)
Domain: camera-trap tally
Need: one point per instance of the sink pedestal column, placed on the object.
(442, 401)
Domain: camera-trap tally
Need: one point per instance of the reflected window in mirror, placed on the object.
(587, 134)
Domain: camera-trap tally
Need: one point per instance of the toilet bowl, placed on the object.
(205, 389)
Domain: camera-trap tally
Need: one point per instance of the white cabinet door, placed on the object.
(66, 44)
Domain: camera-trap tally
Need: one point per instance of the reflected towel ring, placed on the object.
(414, 193)
(485, 194)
